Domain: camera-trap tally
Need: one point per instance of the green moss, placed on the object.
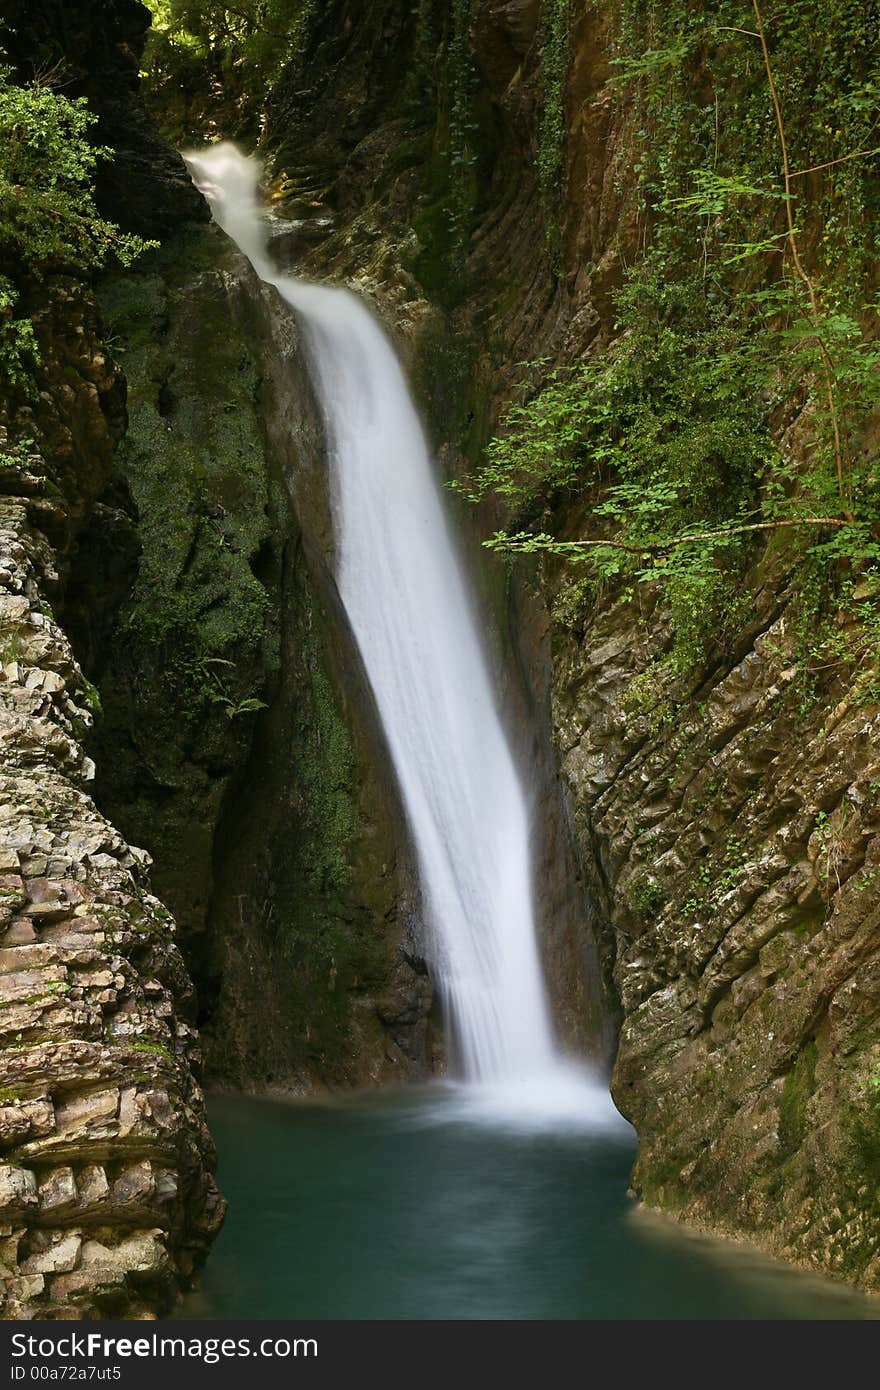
(658, 1181)
(797, 1090)
(92, 697)
(156, 1049)
(645, 894)
(433, 264)
(864, 1132)
(446, 386)
(326, 770)
(200, 621)
(573, 602)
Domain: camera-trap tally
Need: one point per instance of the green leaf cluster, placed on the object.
(48, 218)
(234, 52)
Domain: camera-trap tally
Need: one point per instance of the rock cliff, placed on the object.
(237, 740)
(107, 1200)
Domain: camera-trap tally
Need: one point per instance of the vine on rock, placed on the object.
(751, 305)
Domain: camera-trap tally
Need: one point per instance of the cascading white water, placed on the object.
(403, 589)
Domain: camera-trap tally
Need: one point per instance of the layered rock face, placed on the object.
(107, 1198)
(733, 860)
(728, 834)
(107, 1203)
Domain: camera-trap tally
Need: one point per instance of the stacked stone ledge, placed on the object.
(107, 1199)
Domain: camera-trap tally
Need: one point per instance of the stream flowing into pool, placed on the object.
(404, 1205)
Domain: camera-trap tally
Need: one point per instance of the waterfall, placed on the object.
(404, 591)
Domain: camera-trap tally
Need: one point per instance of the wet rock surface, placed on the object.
(734, 860)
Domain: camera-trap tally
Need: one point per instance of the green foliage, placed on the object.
(555, 56)
(11, 649)
(154, 1049)
(797, 1089)
(169, 624)
(15, 455)
(648, 696)
(92, 697)
(716, 876)
(645, 894)
(662, 435)
(837, 630)
(19, 353)
(732, 866)
(48, 219)
(206, 679)
(830, 832)
(572, 601)
(235, 52)
(671, 437)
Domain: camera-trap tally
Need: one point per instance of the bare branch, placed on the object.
(658, 547)
(814, 168)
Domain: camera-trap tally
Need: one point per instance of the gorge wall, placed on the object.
(107, 1199)
(276, 840)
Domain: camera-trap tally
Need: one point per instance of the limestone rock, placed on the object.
(18, 1190)
(58, 1189)
(74, 1098)
(58, 1258)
